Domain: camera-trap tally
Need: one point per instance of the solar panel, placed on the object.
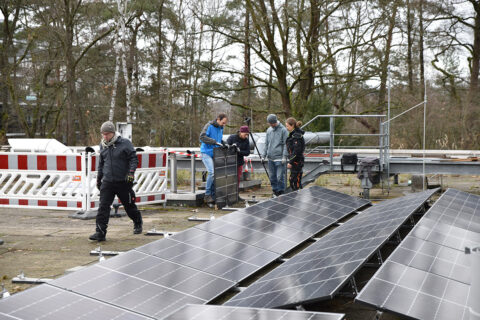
(210, 312)
(280, 225)
(47, 302)
(428, 275)
(322, 269)
(257, 232)
(459, 209)
(211, 253)
(144, 284)
(225, 176)
(310, 210)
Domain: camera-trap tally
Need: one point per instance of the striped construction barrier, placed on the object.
(68, 182)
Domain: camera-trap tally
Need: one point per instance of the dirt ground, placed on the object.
(46, 243)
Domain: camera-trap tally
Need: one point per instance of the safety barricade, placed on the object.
(68, 182)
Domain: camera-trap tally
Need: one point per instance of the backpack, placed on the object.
(349, 158)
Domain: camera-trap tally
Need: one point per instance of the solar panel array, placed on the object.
(47, 302)
(209, 312)
(428, 275)
(322, 269)
(192, 267)
(225, 176)
(280, 224)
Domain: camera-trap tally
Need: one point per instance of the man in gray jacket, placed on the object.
(276, 153)
(116, 173)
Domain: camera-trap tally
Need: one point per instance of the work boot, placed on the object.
(208, 199)
(97, 236)
(138, 227)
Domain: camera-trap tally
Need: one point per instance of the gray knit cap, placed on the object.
(107, 126)
(272, 118)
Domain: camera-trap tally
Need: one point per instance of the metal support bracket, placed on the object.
(22, 279)
(4, 293)
(238, 289)
(98, 251)
(195, 218)
(155, 232)
(300, 308)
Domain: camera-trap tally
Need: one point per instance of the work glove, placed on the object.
(234, 146)
(99, 183)
(130, 178)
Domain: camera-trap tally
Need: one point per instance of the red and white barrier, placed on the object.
(68, 182)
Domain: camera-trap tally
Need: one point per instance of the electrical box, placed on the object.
(125, 130)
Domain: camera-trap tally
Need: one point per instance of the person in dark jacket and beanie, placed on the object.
(211, 137)
(240, 139)
(295, 147)
(116, 173)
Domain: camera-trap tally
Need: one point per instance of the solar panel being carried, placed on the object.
(226, 177)
(428, 276)
(210, 312)
(322, 269)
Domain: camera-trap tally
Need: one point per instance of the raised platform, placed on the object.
(249, 184)
(183, 197)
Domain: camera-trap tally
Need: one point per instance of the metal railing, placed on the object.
(383, 145)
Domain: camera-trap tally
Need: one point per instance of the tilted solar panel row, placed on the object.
(428, 276)
(322, 269)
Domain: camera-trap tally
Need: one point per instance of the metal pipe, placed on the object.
(332, 140)
(173, 172)
(192, 172)
(359, 134)
(474, 295)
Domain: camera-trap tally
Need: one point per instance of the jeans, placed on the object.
(208, 163)
(276, 171)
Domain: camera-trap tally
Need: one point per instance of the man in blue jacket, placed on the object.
(115, 176)
(276, 153)
(211, 137)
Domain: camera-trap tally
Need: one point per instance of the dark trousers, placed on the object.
(125, 194)
(296, 173)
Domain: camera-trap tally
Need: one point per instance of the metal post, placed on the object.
(332, 141)
(192, 172)
(388, 129)
(173, 173)
(474, 296)
(380, 156)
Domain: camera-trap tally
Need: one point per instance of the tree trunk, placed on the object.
(159, 48)
(308, 72)
(409, 47)
(386, 60)
(70, 79)
(247, 96)
(421, 47)
(475, 53)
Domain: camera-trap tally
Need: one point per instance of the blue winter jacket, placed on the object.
(211, 134)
